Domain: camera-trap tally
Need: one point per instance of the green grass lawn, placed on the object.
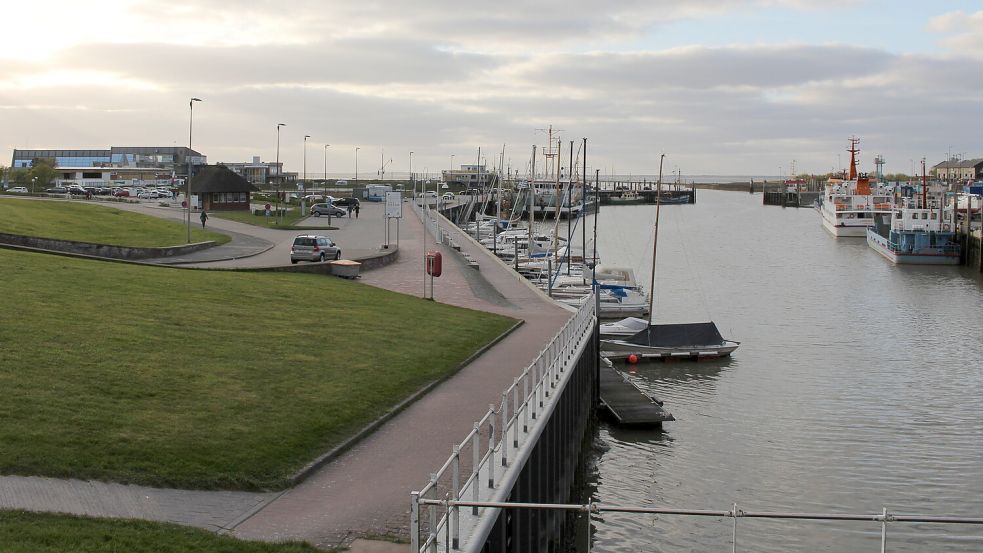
(204, 379)
(288, 220)
(22, 532)
(65, 220)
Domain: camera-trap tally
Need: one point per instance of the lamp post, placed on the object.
(356, 167)
(304, 184)
(277, 167)
(187, 184)
(325, 181)
(412, 180)
(306, 136)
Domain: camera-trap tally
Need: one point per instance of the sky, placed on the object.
(721, 87)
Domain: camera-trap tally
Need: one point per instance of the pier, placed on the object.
(626, 403)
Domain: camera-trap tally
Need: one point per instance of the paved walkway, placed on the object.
(366, 490)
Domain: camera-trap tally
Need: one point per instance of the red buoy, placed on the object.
(633, 359)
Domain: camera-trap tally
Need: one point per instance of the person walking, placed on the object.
(349, 207)
(356, 211)
(203, 217)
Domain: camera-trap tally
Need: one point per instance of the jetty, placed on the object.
(626, 402)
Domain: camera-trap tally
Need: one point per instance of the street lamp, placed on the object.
(356, 167)
(187, 184)
(277, 168)
(325, 181)
(412, 181)
(304, 185)
(306, 136)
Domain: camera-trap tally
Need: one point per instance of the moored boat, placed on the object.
(686, 340)
(849, 206)
(921, 231)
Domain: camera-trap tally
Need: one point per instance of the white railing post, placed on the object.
(491, 446)
(415, 522)
(515, 413)
(734, 513)
(454, 519)
(525, 403)
(505, 429)
(884, 530)
(476, 457)
(433, 515)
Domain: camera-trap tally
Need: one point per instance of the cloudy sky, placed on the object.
(727, 87)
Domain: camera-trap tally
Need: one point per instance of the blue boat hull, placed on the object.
(924, 256)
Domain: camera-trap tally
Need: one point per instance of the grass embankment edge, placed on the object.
(327, 457)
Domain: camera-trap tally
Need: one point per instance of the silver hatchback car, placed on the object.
(311, 247)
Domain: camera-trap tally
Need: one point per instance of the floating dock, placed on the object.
(626, 403)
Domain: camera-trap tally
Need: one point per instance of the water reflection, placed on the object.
(856, 387)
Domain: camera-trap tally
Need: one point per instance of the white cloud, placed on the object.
(442, 78)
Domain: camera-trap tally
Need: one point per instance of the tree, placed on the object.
(42, 169)
(20, 176)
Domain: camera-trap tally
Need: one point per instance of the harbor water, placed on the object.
(858, 386)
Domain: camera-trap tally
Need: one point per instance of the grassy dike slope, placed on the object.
(204, 379)
(66, 220)
(22, 532)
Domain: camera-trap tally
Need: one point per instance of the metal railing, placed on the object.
(497, 438)
(884, 517)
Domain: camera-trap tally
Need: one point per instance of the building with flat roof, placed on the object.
(262, 173)
(170, 160)
(473, 176)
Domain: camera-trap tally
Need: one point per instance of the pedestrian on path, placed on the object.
(203, 217)
(356, 211)
(349, 211)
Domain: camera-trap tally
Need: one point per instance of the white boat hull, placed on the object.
(850, 231)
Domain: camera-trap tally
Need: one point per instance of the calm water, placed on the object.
(858, 385)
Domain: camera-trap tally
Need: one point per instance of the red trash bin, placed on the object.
(434, 264)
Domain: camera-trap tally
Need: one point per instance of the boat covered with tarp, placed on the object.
(688, 340)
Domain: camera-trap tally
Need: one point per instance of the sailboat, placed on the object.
(688, 340)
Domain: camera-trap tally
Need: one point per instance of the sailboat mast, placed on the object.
(583, 206)
(655, 240)
(532, 198)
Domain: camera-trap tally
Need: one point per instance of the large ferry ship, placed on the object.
(850, 206)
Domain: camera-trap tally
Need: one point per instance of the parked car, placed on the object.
(327, 209)
(121, 193)
(18, 190)
(77, 190)
(345, 202)
(56, 190)
(447, 196)
(429, 194)
(311, 247)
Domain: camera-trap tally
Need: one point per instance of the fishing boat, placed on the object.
(849, 206)
(628, 197)
(920, 231)
(686, 340)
